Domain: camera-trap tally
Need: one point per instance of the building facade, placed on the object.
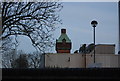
(104, 49)
(119, 28)
(104, 57)
(64, 60)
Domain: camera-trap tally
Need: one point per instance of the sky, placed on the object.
(76, 18)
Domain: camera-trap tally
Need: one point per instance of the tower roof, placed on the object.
(63, 36)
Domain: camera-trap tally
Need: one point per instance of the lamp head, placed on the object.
(94, 23)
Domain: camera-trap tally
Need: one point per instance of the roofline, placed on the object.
(106, 44)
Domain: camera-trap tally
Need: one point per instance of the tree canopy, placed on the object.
(36, 20)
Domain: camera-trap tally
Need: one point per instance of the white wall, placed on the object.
(64, 60)
(119, 61)
(57, 60)
(78, 60)
(106, 60)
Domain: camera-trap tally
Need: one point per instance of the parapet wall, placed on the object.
(81, 60)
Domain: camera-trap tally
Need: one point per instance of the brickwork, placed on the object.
(63, 46)
(63, 51)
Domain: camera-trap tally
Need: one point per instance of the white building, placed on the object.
(81, 60)
(105, 57)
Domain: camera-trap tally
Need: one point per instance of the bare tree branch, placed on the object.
(34, 20)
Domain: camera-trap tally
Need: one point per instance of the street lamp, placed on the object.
(94, 24)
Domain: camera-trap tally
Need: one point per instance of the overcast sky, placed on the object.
(76, 18)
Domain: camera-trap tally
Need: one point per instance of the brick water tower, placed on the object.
(63, 43)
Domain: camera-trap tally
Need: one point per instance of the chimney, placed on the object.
(63, 31)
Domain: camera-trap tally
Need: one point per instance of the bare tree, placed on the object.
(8, 57)
(36, 20)
(7, 44)
(20, 62)
(8, 52)
(35, 60)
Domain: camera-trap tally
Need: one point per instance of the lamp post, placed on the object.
(94, 24)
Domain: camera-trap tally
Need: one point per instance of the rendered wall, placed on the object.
(105, 60)
(57, 60)
(64, 60)
(104, 49)
(78, 60)
(119, 61)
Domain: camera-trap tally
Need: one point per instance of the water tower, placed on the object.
(63, 43)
